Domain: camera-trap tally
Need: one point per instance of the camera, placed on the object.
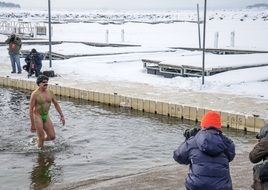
(263, 132)
(190, 132)
(32, 55)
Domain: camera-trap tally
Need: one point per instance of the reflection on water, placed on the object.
(44, 172)
(98, 141)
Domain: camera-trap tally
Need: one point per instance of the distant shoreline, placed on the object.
(9, 5)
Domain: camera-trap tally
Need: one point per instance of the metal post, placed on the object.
(204, 43)
(232, 39)
(49, 31)
(198, 20)
(107, 36)
(122, 35)
(216, 40)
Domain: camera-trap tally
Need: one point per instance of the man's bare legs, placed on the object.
(39, 131)
(49, 129)
(45, 130)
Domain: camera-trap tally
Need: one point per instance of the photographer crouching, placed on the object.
(33, 63)
(208, 153)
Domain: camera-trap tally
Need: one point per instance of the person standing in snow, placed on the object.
(258, 154)
(14, 46)
(208, 153)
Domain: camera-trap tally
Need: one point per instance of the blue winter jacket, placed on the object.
(208, 153)
(37, 58)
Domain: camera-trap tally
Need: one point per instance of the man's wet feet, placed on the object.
(19, 72)
(13, 71)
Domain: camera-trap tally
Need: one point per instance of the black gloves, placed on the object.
(190, 132)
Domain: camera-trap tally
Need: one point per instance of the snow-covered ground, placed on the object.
(250, 27)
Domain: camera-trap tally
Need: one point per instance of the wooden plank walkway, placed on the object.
(184, 66)
(58, 56)
(221, 51)
(170, 71)
(95, 44)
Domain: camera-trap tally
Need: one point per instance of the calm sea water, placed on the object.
(98, 141)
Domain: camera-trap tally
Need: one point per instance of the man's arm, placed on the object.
(230, 148)
(18, 41)
(260, 151)
(58, 108)
(181, 154)
(7, 41)
(31, 110)
(40, 56)
(27, 59)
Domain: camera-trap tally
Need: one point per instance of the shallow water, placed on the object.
(97, 142)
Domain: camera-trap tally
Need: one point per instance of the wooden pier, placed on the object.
(58, 56)
(220, 51)
(170, 71)
(215, 63)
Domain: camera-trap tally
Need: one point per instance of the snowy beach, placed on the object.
(126, 69)
(89, 143)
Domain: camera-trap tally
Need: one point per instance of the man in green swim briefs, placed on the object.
(40, 102)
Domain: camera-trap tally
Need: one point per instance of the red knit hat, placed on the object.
(211, 119)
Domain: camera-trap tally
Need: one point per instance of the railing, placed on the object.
(23, 28)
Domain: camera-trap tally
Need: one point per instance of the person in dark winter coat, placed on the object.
(33, 60)
(258, 154)
(14, 46)
(208, 153)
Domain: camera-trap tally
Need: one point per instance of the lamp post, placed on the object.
(204, 43)
(198, 24)
(49, 32)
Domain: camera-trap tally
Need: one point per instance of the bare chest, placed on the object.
(43, 98)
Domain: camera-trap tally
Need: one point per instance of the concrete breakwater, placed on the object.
(237, 121)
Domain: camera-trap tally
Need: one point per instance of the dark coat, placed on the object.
(37, 59)
(14, 45)
(208, 153)
(258, 154)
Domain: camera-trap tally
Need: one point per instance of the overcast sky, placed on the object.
(134, 4)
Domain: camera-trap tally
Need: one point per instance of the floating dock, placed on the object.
(95, 44)
(59, 56)
(191, 65)
(220, 51)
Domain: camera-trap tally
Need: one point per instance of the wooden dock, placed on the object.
(95, 44)
(192, 66)
(58, 56)
(220, 51)
(170, 71)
